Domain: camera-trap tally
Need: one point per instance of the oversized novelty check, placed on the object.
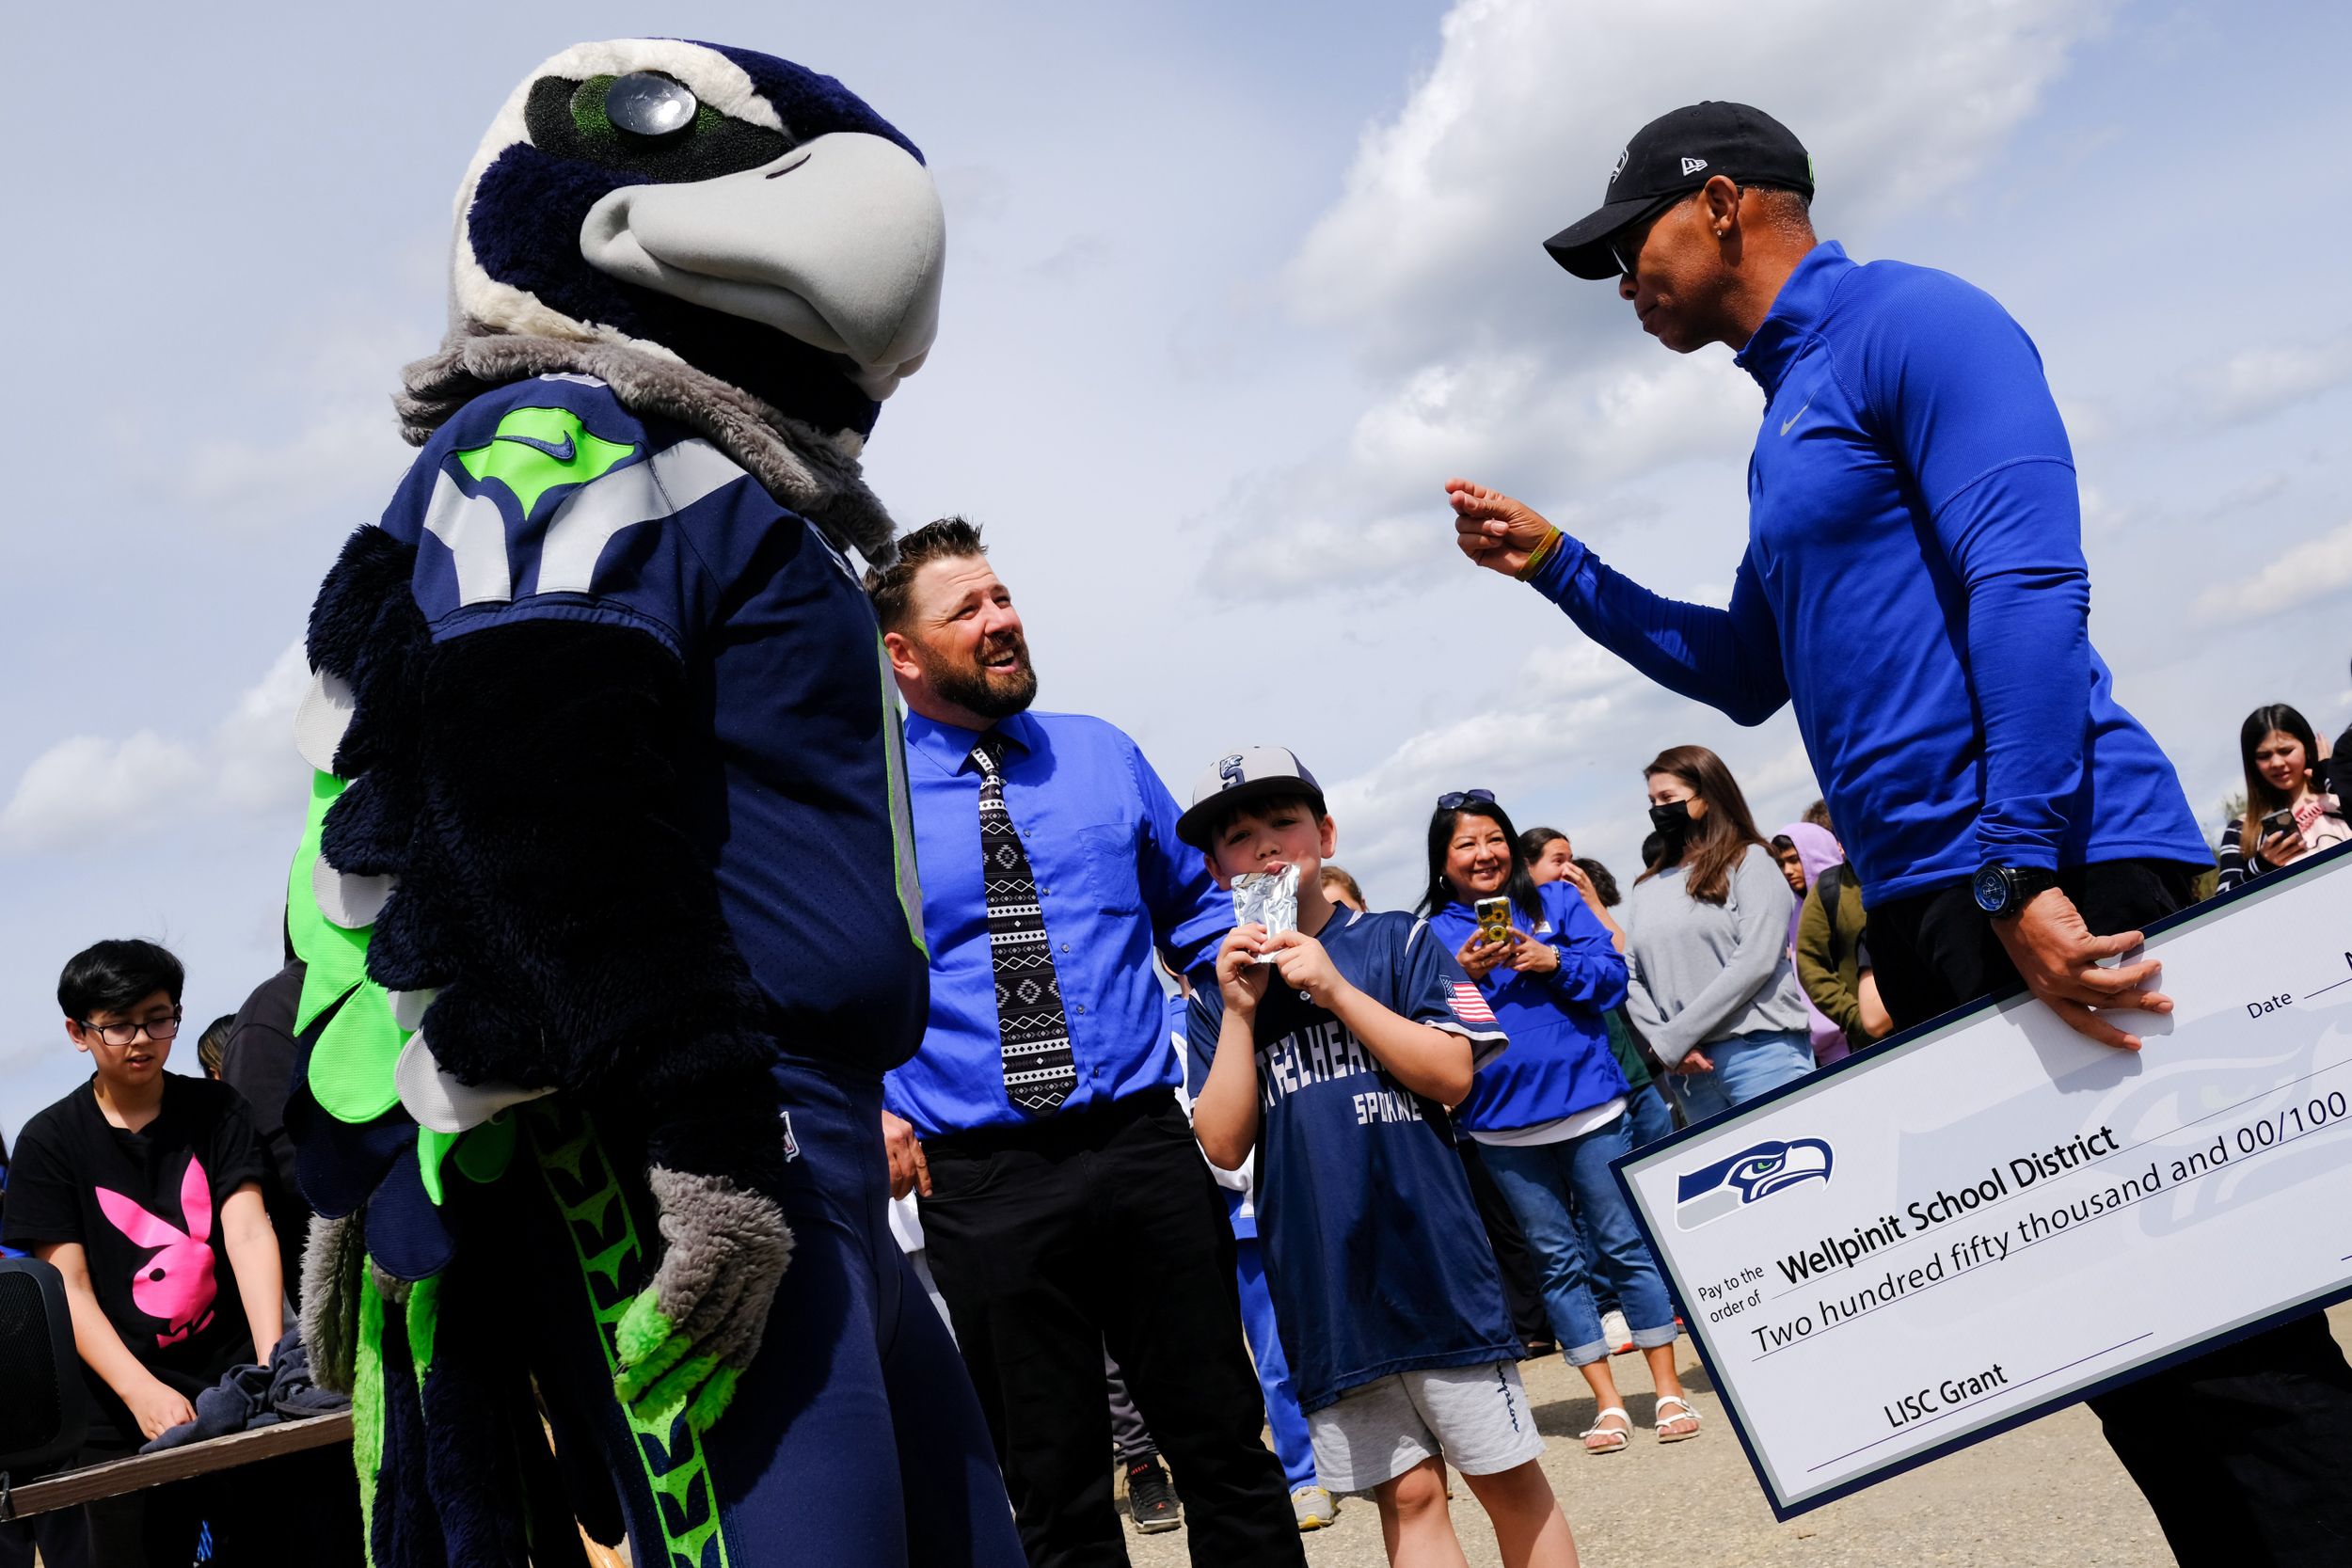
(1992, 1216)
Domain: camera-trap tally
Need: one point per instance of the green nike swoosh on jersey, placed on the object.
(535, 450)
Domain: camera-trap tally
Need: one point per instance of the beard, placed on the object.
(969, 683)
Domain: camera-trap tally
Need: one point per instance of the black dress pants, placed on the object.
(2245, 1454)
(1056, 1240)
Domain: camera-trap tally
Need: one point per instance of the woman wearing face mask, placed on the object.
(2289, 812)
(1714, 989)
(1550, 1113)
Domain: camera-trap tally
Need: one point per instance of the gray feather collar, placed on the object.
(799, 466)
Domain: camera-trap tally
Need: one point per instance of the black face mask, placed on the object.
(1672, 819)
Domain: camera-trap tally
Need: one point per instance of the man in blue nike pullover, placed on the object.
(1914, 586)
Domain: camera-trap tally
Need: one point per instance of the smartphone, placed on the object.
(2277, 822)
(1494, 918)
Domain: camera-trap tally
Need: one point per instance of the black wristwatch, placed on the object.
(2004, 891)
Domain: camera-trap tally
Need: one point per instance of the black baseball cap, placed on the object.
(1668, 159)
(1251, 773)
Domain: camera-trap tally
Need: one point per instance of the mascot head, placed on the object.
(736, 214)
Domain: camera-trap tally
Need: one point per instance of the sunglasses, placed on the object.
(1625, 247)
(1456, 800)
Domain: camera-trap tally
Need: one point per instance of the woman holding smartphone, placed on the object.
(1714, 989)
(1549, 1114)
(2289, 813)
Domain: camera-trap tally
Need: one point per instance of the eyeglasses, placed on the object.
(158, 1030)
(1456, 800)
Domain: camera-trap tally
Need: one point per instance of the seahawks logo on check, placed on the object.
(1748, 1177)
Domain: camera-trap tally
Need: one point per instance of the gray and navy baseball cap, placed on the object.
(1668, 159)
(1249, 774)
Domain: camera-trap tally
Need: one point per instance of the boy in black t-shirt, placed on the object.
(1333, 1049)
(143, 1189)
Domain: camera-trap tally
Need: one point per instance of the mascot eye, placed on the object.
(648, 124)
(648, 105)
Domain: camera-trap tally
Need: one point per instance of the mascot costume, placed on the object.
(607, 894)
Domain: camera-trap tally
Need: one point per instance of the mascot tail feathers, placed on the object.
(447, 1439)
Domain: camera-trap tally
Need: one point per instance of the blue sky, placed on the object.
(1231, 290)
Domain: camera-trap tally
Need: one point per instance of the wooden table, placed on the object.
(70, 1488)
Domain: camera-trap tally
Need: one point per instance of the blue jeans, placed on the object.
(1647, 1117)
(1745, 1066)
(1537, 1180)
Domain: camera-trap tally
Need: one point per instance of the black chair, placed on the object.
(46, 1412)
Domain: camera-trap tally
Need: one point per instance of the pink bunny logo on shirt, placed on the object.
(176, 1284)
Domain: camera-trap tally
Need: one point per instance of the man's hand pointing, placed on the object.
(1494, 531)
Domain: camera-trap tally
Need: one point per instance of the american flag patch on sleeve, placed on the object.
(1468, 1004)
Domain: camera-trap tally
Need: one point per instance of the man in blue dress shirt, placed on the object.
(1065, 1205)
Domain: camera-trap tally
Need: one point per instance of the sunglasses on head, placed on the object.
(1456, 800)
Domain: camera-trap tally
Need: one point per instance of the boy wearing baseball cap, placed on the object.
(1333, 1050)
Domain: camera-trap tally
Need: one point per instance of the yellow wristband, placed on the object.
(1542, 553)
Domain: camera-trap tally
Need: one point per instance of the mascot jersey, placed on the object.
(547, 502)
(606, 895)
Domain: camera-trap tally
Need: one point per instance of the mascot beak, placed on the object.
(840, 242)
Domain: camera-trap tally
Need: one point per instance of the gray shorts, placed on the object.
(1476, 1418)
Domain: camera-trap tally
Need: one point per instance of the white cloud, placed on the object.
(345, 447)
(2311, 570)
(1369, 520)
(1512, 133)
(1487, 360)
(2263, 380)
(1564, 746)
(342, 452)
(88, 788)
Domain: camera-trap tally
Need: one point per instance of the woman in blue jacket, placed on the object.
(1549, 1113)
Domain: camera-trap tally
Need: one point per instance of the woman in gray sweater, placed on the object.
(1712, 989)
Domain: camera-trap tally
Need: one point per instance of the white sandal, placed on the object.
(1687, 1411)
(1623, 1436)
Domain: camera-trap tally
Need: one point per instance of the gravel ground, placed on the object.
(2001, 1504)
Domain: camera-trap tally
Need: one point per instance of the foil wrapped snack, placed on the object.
(1269, 898)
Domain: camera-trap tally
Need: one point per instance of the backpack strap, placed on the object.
(1827, 886)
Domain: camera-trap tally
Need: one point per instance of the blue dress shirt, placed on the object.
(1114, 882)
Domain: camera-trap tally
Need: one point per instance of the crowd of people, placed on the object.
(1389, 1254)
(1201, 1143)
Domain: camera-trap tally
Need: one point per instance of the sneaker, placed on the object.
(1614, 1332)
(1151, 1500)
(1315, 1508)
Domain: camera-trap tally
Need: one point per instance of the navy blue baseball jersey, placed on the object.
(1374, 1250)
(546, 500)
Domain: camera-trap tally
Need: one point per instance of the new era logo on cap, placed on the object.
(1692, 166)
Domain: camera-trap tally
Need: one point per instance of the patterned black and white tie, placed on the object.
(1033, 1033)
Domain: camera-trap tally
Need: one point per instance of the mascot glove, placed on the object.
(686, 1338)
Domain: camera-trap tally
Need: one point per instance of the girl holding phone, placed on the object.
(1549, 1114)
(1713, 990)
(2289, 814)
